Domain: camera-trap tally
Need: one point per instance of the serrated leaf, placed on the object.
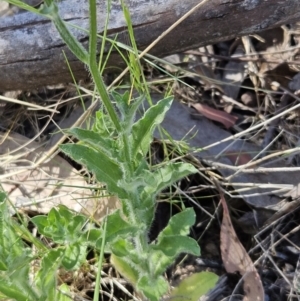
(142, 130)
(54, 217)
(106, 169)
(194, 286)
(56, 227)
(117, 227)
(64, 213)
(103, 124)
(61, 224)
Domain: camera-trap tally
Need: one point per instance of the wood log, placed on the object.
(31, 50)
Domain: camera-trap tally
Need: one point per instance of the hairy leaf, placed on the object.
(195, 286)
(103, 144)
(13, 291)
(179, 224)
(124, 269)
(153, 288)
(171, 173)
(46, 277)
(107, 170)
(143, 129)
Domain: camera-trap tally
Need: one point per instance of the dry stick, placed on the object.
(253, 127)
(27, 104)
(244, 58)
(218, 165)
(284, 101)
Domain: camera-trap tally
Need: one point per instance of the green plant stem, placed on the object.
(102, 89)
(94, 67)
(101, 256)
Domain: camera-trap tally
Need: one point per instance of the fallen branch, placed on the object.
(31, 50)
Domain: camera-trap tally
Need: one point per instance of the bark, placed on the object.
(31, 51)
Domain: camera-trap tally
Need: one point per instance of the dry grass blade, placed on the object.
(236, 259)
(180, 20)
(27, 104)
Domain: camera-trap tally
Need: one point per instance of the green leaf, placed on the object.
(97, 140)
(48, 10)
(78, 50)
(76, 224)
(117, 226)
(194, 286)
(167, 175)
(53, 225)
(123, 103)
(2, 197)
(24, 5)
(124, 269)
(179, 224)
(74, 256)
(103, 125)
(13, 291)
(3, 265)
(153, 288)
(91, 236)
(164, 253)
(64, 293)
(128, 108)
(142, 130)
(172, 241)
(106, 169)
(172, 246)
(122, 248)
(41, 222)
(61, 224)
(46, 277)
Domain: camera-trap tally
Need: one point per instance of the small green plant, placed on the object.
(128, 175)
(18, 281)
(115, 151)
